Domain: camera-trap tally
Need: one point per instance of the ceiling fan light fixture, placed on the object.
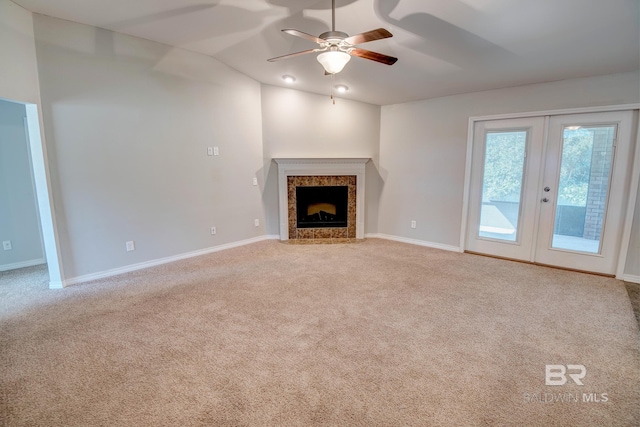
(333, 61)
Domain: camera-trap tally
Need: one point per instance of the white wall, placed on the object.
(632, 266)
(19, 82)
(18, 72)
(19, 222)
(423, 148)
(127, 124)
(301, 124)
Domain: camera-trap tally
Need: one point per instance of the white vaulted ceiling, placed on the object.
(444, 47)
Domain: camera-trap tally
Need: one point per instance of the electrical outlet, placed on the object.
(6, 245)
(131, 246)
(216, 152)
(413, 224)
(256, 222)
(213, 231)
(209, 151)
(255, 181)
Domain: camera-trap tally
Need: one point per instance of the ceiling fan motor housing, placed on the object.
(333, 35)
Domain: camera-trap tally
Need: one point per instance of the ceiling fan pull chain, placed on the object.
(332, 85)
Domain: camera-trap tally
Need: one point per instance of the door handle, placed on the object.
(545, 200)
(547, 189)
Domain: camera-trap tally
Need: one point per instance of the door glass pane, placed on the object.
(585, 168)
(502, 184)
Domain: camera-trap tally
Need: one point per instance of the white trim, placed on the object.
(44, 195)
(467, 183)
(543, 167)
(630, 278)
(416, 242)
(631, 206)
(57, 284)
(317, 167)
(22, 264)
(160, 261)
(601, 109)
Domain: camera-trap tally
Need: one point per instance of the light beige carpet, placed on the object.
(371, 334)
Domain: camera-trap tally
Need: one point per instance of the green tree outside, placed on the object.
(504, 163)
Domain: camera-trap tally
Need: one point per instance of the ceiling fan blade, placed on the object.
(369, 36)
(374, 56)
(304, 35)
(292, 55)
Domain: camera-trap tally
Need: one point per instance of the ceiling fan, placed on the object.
(337, 47)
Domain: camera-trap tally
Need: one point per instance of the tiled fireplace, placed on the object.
(321, 198)
(322, 207)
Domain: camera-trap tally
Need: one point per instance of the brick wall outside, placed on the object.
(598, 181)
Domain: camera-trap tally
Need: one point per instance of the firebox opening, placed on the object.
(320, 207)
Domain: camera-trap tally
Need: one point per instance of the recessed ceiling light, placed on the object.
(342, 88)
(288, 79)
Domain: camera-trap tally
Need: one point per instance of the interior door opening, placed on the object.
(39, 176)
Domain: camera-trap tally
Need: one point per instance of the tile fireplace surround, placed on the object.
(342, 171)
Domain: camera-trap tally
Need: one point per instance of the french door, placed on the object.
(551, 190)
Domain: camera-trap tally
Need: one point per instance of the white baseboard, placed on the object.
(155, 262)
(414, 242)
(631, 278)
(23, 264)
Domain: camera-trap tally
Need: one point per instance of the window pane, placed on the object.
(502, 184)
(585, 170)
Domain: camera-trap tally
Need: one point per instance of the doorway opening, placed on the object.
(552, 189)
(27, 224)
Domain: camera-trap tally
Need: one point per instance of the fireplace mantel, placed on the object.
(319, 167)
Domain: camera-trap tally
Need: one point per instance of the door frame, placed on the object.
(633, 183)
(39, 164)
